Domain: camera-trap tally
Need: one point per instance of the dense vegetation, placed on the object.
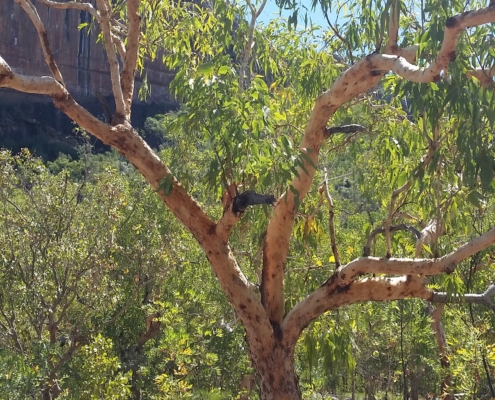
(105, 292)
(88, 248)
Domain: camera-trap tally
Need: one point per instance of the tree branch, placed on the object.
(29, 84)
(357, 79)
(342, 289)
(88, 7)
(393, 28)
(362, 76)
(485, 299)
(153, 325)
(331, 225)
(425, 267)
(249, 44)
(485, 76)
(433, 145)
(342, 39)
(439, 332)
(120, 47)
(454, 27)
(331, 295)
(30, 10)
(131, 54)
(120, 109)
(128, 142)
(429, 234)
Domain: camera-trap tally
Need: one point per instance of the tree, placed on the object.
(196, 42)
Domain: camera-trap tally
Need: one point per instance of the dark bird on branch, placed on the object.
(250, 198)
(352, 128)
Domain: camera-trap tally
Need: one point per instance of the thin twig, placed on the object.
(432, 148)
(336, 32)
(331, 225)
(393, 228)
(249, 44)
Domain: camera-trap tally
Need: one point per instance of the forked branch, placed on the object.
(343, 288)
(250, 43)
(331, 295)
(417, 266)
(393, 228)
(132, 146)
(485, 76)
(120, 109)
(359, 78)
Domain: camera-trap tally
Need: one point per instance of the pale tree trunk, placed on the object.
(278, 378)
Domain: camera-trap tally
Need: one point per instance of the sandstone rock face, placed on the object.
(81, 60)
(32, 121)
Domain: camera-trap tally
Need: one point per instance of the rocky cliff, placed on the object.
(84, 68)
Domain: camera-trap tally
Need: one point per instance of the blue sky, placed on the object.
(272, 11)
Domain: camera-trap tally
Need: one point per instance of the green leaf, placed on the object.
(434, 86)
(206, 68)
(166, 184)
(303, 155)
(402, 179)
(224, 69)
(296, 196)
(474, 198)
